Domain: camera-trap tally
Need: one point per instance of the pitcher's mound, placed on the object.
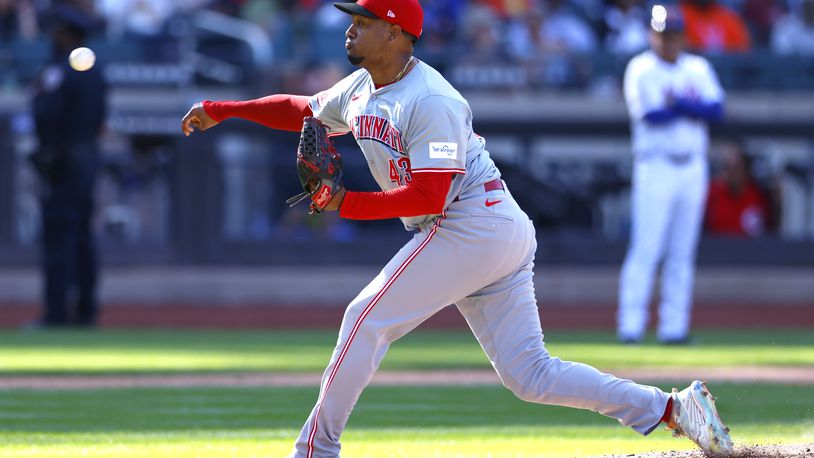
(744, 451)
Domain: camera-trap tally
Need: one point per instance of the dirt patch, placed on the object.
(745, 451)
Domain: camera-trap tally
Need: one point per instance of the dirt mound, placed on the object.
(744, 451)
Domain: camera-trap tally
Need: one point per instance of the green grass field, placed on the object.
(473, 421)
(290, 351)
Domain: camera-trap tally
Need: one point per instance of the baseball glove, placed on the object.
(319, 166)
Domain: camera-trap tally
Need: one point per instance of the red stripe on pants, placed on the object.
(356, 329)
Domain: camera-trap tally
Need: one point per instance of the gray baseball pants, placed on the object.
(480, 258)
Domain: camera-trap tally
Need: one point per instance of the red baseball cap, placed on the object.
(405, 13)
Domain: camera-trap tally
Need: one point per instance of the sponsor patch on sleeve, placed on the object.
(443, 150)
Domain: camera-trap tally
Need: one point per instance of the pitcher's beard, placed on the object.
(355, 60)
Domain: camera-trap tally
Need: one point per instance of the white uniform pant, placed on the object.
(668, 202)
(479, 258)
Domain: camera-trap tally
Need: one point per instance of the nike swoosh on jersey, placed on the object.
(489, 203)
(354, 97)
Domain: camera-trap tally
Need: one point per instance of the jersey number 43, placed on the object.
(400, 170)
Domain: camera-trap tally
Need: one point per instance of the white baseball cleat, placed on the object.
(695, 416)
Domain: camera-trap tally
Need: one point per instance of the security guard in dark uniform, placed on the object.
(69, 109)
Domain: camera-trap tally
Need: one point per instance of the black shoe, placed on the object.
(630, 341)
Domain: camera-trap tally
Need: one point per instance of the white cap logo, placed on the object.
(658, 19)
(391, 14)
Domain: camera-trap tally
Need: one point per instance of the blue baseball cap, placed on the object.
(666, 18)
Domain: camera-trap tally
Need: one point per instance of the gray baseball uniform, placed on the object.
(478, 254)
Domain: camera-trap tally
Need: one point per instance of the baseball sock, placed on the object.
(667, 411)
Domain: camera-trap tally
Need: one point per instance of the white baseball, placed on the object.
(82, 59)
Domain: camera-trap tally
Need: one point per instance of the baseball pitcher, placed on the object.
(472, 246)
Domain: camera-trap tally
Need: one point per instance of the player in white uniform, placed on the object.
(473, 246)
(671, 96)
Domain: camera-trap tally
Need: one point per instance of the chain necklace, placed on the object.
(401, 73)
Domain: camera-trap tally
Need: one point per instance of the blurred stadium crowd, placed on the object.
(160, 55)
(481, 43)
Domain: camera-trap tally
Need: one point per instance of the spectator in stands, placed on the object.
(481, 29)
(69, 110)
(89, 9)
(714, 28)
(526, 39)
(441, 20)
(227, 7)
(565, 29)
(136, 18)
(480, 40)
(549, 36)
(142, 22)
(18, 19)
(592, 12)
(760, 16)
(441, 17)
(288, 22)
(328, 26)
(477, 13)
(8, 20)
(626, 33)
(794, 33)
(479, 59)
(736, 205)
(506, 9)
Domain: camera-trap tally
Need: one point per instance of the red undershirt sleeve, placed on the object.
(279, 111)
(424, 195)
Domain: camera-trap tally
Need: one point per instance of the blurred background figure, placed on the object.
(481, 32)
(794, 32)
(546, 37)
(714, 28)
(479, 57)
(545, 76)
(441, 21)
(736, 205)
(760, 17)
(18, 19)
(671, 96)
(69, 110)
(549, 27)
(625, 27)
(142, 22)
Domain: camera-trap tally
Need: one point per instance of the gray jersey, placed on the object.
(419, 124)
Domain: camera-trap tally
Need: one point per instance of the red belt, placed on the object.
(493, 185)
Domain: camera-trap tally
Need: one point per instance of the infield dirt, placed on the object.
(746, 451)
